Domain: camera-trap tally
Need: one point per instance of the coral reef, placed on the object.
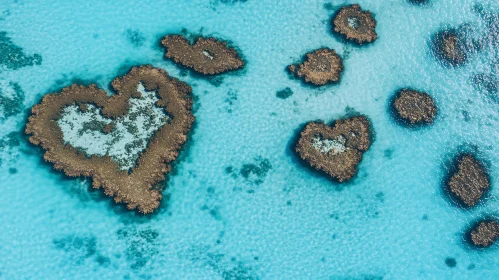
(469, 181)
(320, 67)
(355, 25)
(133, 187)
(484, 233)
(208, 56)
(449, 47)
(336, 150)
(414, 107)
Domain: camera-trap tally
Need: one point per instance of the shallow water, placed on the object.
(239, 204)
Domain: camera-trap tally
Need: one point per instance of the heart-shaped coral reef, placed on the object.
(336, 150)
(130, 182)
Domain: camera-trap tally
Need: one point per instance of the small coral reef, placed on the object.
(450, 47)
(355, 25)
(207, 56)
(134, 187)
(320, 67)
(468, 181)
(336, 150)
(414, 107)
(484, 233)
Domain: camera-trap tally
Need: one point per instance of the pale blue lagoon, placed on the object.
(239, 203)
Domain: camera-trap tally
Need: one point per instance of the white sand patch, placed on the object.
(335, 146)
(128, 139)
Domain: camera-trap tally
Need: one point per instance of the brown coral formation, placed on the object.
(469, 181)
(484, 234)
(414, 107)
(449, 47)
(108, 128)
(355, 25)
(336, 150)
(321, 66)
(208, 56)
(134, 189)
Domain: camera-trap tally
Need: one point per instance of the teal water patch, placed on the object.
(13, 57)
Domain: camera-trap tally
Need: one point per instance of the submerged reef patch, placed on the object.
(135, 37)
(336, 150)
(284, 93)
(80, 248)
(256, 173)
(468, 180)
(215, 3)
(141, 245)
(11, 140)
(449, 48)
(355, 25)
(454, 46)
(450, 262)
(207, 56)
(132, 187)
(224, 265)
(414, 107)
(487, 82)
(419, 2)
(11, 100)
(13, 57)
(320, 67)
(484, 233)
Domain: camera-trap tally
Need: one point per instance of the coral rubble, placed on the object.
(208, 56)
(355, 25)
(133, 187)
(321, 66)
(336, 150)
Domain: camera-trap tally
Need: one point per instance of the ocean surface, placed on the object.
(239, 204)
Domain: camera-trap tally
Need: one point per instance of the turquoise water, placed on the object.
(239, 204)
